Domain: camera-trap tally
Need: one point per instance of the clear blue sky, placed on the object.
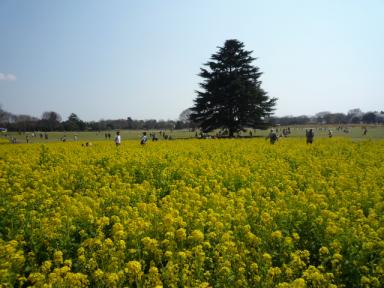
(114, 59)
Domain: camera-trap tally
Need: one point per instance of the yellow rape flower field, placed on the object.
(193, 213)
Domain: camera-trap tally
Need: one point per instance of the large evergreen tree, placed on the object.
(231, 96)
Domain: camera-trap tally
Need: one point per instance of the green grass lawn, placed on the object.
(355, 132)
(92, 136)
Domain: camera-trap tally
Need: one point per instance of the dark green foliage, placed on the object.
(74, 123)
(231, 96)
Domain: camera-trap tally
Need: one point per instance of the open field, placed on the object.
(355, 132)
(193, 213)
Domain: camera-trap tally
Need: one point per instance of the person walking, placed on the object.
(143, 139)
(310, 135)
(118, 139)
(272, 136)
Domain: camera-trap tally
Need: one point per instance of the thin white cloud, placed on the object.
(7, 77)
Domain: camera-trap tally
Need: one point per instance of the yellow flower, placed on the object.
(324, 250)
(295, 236)
(276, 234)
(197, 235)
(58, 257)
(182, 255)
(168, 254)
(274, 272)
(181, 234)
(191, 212)
(46, 267)
(267, 258)
(133, 270)
(299, 283)
(98, 274)
(337, 256)
(266, 218)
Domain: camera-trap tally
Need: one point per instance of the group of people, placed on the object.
(29, 137)
(272, 136)
(107, 136)
(309, 134)
(143, 139)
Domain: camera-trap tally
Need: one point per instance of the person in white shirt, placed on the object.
(118, 138)
(143, 139)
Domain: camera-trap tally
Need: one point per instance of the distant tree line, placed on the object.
(52, 121)
(354, 116)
